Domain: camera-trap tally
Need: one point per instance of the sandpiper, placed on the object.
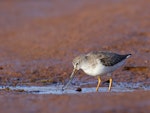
(98, 64)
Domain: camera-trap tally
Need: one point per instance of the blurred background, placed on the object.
(39, 39)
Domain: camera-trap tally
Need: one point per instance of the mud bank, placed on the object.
(38, 41)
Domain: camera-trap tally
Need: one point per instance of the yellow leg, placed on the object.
(99, 81)
(110, 84)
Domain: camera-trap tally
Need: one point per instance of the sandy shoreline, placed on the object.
(90, 102)
(38, 41)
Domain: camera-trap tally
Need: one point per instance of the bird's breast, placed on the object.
(100, 69)
(93, 70)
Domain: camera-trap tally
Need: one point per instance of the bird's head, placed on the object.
(78, 61)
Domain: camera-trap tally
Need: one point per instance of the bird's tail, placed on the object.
(128, 55)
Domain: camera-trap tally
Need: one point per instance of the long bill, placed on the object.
(71, 78)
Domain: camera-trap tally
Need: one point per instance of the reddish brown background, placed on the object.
(38, 41)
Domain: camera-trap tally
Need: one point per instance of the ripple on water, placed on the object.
(57, 89)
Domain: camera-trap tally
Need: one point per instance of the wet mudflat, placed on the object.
(38, 41)
(82, 89)
(92, 102)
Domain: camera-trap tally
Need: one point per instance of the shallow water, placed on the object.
(57, 89)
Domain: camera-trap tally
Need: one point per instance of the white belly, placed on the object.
(101, 69)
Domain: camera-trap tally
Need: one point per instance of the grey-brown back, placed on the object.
(109, 58)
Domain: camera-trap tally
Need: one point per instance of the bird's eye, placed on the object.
(77, 63)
